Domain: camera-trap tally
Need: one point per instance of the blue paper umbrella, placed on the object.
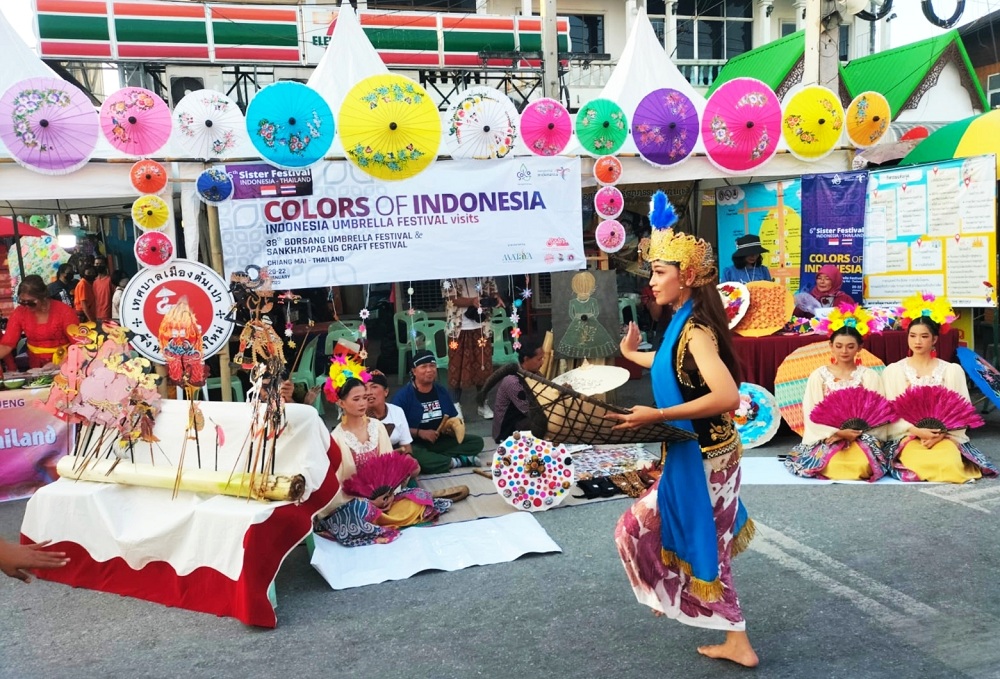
(214, 186)
(290, 124)
(983, 374)
(758, 418)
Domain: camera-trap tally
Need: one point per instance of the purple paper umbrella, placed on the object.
(665, 127)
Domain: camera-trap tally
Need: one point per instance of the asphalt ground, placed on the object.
(850, 581)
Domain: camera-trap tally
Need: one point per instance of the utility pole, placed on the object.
(821, 61)
(550, 49)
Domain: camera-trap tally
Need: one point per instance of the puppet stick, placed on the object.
(298, 356)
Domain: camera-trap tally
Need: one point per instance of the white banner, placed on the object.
(335, 225)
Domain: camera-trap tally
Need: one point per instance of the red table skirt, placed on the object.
(760, 356)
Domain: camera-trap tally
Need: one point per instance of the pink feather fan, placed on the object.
(378, 474)
(936, 407)
(853, 408)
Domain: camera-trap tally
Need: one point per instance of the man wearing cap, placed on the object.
(425, 404)
(747, 266)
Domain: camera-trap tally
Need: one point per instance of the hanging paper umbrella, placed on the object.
(150, 212)
(741, 125)
(813, 123)
(532, 474)
(290, 124)
(148, 176)
(208, 123)
(481, 124)
(665, 127)
(610, 235)
(48, 125)
(136, 121)
(757, 418)
(390, 127)
(607, 170)
(601, 127)
(609, 202)
(214, 186)
(868, 117)
(153, 249)
(975, 136)
(546, 127)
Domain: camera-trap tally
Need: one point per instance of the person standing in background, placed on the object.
(83, 296)
(116, 296)
(62, 288)
(102, 291)
(748, 265)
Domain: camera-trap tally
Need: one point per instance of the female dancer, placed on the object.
(677, 541)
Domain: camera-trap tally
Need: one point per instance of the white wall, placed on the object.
(946, 101)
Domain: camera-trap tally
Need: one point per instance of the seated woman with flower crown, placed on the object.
(919, 447)
(837, 444)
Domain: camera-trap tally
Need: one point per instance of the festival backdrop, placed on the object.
(772, 211)
(334, 225)
(833, 224)
(932, 228)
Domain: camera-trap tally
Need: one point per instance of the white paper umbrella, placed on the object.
(208, 124)
(481, 124)
(532, 474)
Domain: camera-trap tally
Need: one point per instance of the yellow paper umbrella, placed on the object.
(812, 123)
(868, 117)
(390, 127)
(150, 212)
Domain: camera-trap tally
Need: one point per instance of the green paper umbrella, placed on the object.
(601, 127)
(975, 136)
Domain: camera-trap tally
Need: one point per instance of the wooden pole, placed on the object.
(215, 251)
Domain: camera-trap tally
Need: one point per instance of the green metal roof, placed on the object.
(770, 63)
(898, 72)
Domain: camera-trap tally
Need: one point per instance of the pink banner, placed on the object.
(31, 442)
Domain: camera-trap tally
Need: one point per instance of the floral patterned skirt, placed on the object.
(667, 588)
(810, 459)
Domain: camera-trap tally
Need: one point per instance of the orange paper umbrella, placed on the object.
(868, 117)
(771, 305)
(148, 176)
(608, 170)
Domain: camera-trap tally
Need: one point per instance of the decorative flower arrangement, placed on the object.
(747, 412)
(852, 316)
(732, 297)
(343, 368)
(926, 304)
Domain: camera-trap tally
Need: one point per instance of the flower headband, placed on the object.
(343, 368)
(938, 309)
(851, 316)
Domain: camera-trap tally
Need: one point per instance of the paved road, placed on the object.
(842, 581)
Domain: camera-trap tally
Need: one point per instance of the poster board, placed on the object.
(932, 228)
(770, 210)
(585, 314)
(31, 441)
(833, 224)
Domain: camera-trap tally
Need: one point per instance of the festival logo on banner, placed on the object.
(833, 215)
(261, 180)
(153, 292)
(30, 445)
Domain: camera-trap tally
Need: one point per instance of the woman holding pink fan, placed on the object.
(931, 400)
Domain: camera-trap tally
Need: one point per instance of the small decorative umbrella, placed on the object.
(153, 249)
(757, 419)
(290, 124)
(208, 123)
(665, 127)
(736, 301)
(975, 136)
(150, 212)
(532, 474)
(601, 127)
(741, 125)
(481, 124)
(771, 306)
(48, 125)
(609, 202)
(610, 236)
(214, 186)
(148, 176)
(982, 373)
(868, 118)
(390, 127)
(607, 170)
(546, 127)
(136, 121)
(813, 123)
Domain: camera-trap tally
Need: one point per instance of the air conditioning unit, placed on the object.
(993, 90)
(182, 80)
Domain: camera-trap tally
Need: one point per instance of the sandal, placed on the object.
(607, 488)
(589, 488)
(454, 493)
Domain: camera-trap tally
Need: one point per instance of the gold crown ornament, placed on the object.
(683, 249)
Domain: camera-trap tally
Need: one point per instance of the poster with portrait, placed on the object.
(585, 314)
(833, 226)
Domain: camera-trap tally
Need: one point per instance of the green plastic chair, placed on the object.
(336, 334)
(503, 342)
(304, 372)
(216, 383)
(402, 324)
(434, 335)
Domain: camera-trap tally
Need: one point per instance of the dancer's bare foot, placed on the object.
(656, 613)
(736, 648)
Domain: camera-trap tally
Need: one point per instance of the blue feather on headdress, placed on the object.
(662, 214)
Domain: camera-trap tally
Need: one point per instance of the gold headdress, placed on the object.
(667, 245)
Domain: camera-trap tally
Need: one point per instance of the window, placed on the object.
(845, 42)
(787, 28)
(429, 5)
(714, 29)
(586, 33)
(993, 90)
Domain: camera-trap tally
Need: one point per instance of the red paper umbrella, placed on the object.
(136, 121)
(741, 125)
(153, 249)
(148, 176)
(546, 127)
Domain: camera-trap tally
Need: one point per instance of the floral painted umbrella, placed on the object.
(665, 127)
(481, 124)
(546, 127)
(607, 170)
(136, 121)
(148, 176)
(48, 125)
(741, 125)
(601, 127)
(868, 117)
(609, 202)
(390, 127)
(290, 124)
(208, 124)
(214, 186)
(610, 235)
(153, 249)
(150, 212)
(813, 123)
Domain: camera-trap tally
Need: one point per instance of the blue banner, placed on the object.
(833, 226)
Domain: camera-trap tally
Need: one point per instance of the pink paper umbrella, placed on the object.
(546, 127)
(741, 125)
(610, 235)
(136, 121)
(609, 202)
(153, 249)
(48, 125)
